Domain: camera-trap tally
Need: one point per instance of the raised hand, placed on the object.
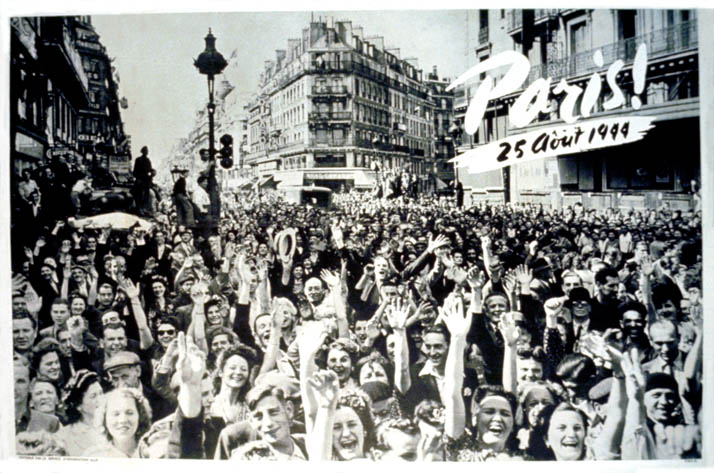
(634, 377)
(422, 312)
(191, 362)
(674, 441)
(262, 267)
(277, 316)
(647, 265)
(509, 282)
(436, 243)
(171, 354)
(338, 237)
(597, 345)
(508, 328)
(331, 278)
(19, 281)
(372, 328)
(553, 308)
(485, 240)
(397, 317)
(130, 289)
(475, 278)
(67, 270)
(311, 338)
(326, 387)
(452, 314)
(524, 276)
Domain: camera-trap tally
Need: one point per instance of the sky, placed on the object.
(153, 54)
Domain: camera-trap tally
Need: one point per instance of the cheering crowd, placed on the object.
(393, 328)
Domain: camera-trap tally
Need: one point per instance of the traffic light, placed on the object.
(226, 151)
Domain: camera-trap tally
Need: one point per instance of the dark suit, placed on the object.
(491, 348)
(426, 387)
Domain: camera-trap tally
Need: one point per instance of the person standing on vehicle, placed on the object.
(143, 174)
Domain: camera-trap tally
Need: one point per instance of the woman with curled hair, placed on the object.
(491, 435)
(123, 416)
(157, 302)
(81, 396)
(48, 363)
(232, 380)
(353, 426)
(561, 435)
(343, 427)
(341, 357)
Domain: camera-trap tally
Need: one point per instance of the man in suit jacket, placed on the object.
(427, 378)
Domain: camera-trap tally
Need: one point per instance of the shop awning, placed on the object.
(266, 182)
(440, 184)
(365, 179)
(291, 178)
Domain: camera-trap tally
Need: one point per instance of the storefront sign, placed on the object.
(29, 146)
(58, 151)
(328, 175)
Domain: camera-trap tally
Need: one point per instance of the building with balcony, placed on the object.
(101, 131)
(59, 105)
(444, 149)
(560, 44)
(334, 106)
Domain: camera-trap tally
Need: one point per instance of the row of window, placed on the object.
(371, 115)
(293, 93)
(371, 91)
(292, 117)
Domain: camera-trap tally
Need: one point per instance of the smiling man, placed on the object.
(271, 415)
(427, 378)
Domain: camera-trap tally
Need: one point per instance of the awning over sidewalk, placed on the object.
(440, 184)
(291, 178)
(266, 182)
(365, 179)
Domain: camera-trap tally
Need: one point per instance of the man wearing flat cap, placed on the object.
(123, 369)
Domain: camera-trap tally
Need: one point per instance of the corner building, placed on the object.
(560, 44)
(336, 105)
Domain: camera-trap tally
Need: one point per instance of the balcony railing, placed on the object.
(332, 142)
(544, 14)
(515, 21)
(329, 90)
(670, 40)
(317, 116)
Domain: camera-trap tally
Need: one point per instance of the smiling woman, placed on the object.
(564, 431)
(492, 436)
(123, 417)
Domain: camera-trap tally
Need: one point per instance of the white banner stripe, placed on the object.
(554, 141)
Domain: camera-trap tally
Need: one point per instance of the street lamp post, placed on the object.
(210, 63)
